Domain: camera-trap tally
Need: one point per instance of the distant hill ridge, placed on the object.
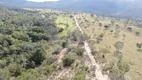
(110, 7)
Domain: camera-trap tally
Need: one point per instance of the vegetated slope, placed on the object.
(122, 8)
(29, 43)
(98, 71)
(117, 44)
(44, 44)
(36, 44)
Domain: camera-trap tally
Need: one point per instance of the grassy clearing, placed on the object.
(66, 24)
(62, 34)
(61, 26)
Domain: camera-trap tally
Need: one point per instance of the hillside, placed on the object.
(47, 44)
(116, 40)
(122, 8)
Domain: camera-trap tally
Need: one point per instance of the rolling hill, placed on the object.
(107, 7)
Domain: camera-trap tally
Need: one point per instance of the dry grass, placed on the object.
(130, 53)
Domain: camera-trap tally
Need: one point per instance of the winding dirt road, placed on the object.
(98, 71)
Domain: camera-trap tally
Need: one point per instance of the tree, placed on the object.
(37, 29)
(119, 45)
(100, 24)
(129, 29)
(4, 74)
(20, 36)
(139, 45)
(123, 66)
(138, 33)
(79, 51)
(38, 55)
(112, 22)
(106, 26)
(15, 69)
(118, 71)
(49, 60)
(68, 60)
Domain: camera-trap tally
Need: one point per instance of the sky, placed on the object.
(58, 0)
(41, 0)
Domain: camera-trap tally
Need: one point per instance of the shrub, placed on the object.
(20, 36)
(50, 68)
(4, 74)
(119, 45)
(139, 45)
(123, 66)
(49, 60)
(100, 24)
(68, 60)
(38, 36)
(137, 33)
(79, 51)
(38, 55)
(79, 76)
(108, 66)
(29, 75)
(2, 63)
(37, 29)
(129, 29)
(118, 71)
(15, 69)
(106, 26)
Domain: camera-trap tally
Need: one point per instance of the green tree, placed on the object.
(4, 74)
(38, 55)
(20, 36)
(119, 45)
(37, 29)
(68, 60)
(15, 69)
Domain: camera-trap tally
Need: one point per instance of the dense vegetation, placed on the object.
(26, 43)
(37, 46)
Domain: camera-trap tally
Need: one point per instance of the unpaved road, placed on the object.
(62, 73)
(98, 71)
(62, 54)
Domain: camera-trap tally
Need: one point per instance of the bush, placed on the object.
(79, 76)
(129, 29)
(50, 68)
(49, 60)
(79, 51)
(38, 55)
(123, 66)
(138, 33)
(15, 69)
(108, 66)
(4, 74)
(20, 36)
(2, 63)
(29, 75)
(139, 45)
(106, 26)
(68, 60)
(38, 36)
(37, 29)
(119, 45)
(119, 70)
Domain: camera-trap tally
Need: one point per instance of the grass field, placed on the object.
(129, 51)
(66, 23)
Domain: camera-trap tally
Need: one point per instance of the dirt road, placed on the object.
(98, 71)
